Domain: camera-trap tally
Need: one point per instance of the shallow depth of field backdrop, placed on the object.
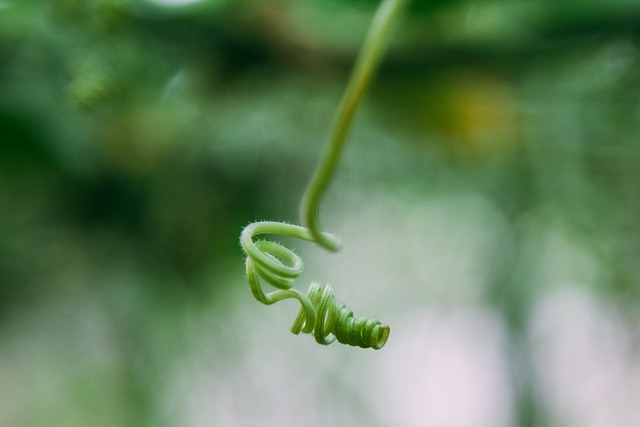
(488, 202)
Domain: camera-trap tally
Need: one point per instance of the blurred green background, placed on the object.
(488, 202)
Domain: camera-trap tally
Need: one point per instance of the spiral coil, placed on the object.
(320, 312)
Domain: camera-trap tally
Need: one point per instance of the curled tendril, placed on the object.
(320, 314)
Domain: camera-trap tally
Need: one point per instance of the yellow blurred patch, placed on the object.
(476, 113)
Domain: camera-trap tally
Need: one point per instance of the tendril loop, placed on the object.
(320, 313)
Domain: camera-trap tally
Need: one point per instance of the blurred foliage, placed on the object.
(138, 137)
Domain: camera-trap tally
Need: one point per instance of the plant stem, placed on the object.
(372, 51)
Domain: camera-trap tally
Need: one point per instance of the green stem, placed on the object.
(372, 51)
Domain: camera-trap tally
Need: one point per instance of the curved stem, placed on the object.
(374, 47)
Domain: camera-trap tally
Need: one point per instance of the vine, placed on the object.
(320, 312)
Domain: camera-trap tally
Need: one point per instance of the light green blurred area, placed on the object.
(488, 203)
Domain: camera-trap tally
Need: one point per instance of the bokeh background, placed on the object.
(488, 203)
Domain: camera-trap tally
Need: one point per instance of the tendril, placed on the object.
(320, 313)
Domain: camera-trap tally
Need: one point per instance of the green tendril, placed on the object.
(320, 313)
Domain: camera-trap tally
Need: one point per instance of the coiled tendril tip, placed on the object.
(335, 321)
(320, 312)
